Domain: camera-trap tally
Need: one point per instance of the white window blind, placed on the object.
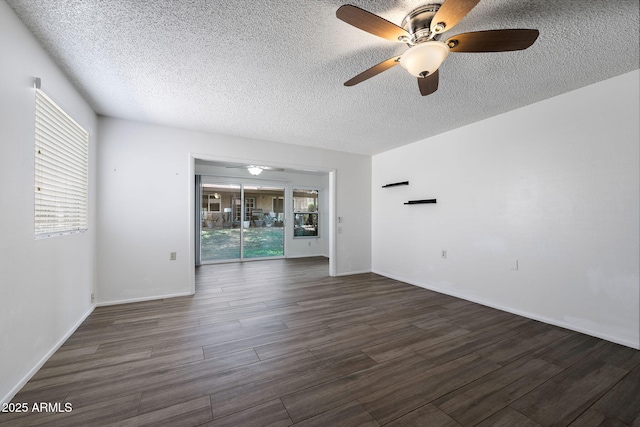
(61, 171)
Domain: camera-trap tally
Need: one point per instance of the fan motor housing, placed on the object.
(418, 23)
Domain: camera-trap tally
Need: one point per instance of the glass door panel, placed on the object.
(264, 237)
(220, 236)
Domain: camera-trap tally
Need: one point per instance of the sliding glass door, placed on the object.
(240, 221)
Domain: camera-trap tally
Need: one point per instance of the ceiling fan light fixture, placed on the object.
(425, 58)
(254, 170)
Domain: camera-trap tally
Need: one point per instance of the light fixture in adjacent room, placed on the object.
(257, 169)
(424, 59)
(254, 170)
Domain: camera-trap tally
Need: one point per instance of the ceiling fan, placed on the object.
(256, 169)
(422, 29)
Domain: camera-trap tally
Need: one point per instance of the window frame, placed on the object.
(315, 214)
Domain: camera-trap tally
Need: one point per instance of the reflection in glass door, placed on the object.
(264, 237)
(241, 222)
(220, 234)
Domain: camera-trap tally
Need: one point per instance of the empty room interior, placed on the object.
(318, 213)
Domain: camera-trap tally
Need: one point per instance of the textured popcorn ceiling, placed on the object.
(274, 70)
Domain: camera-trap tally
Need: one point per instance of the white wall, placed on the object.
(45, 284)
(144, 203)
(554, 185)
(295, 247)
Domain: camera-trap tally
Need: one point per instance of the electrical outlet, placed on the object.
(93, 298)
(443, 254)
(513, 265)
(173, 256)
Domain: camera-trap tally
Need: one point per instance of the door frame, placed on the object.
(241, 183)
(192, 157)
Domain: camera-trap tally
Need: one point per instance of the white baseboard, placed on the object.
(511, 310)
(43, 360)
(142, 299)
(351, 273)
(306, 256)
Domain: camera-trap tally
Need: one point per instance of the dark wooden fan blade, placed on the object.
(370, 23)
(493, 40)
(373, 71)
(428, 84)
(450, 13)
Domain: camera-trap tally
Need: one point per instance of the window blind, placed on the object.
(61, 171)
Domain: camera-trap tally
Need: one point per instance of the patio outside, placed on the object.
(224, 243)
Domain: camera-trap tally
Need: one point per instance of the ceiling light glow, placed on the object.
(254, 170)
(424, 59)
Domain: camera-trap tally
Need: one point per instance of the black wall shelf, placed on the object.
(419, 202)
(395, 184)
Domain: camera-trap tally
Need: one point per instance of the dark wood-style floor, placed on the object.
(279, 343)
